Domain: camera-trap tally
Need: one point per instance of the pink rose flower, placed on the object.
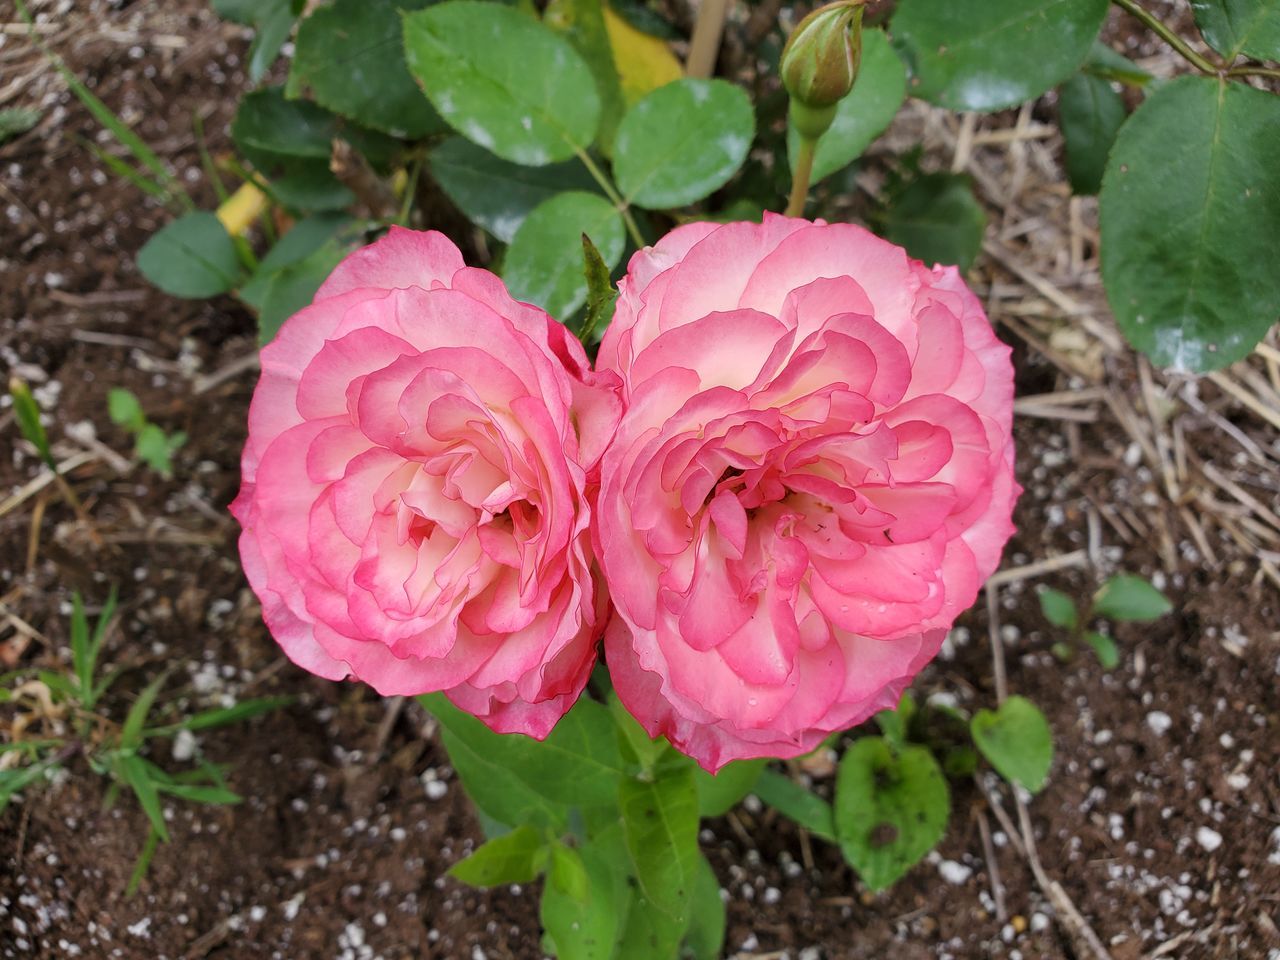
(812, 477)
(415, 489)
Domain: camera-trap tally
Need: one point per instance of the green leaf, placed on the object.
(544, 262)
(350, 56)
(222, 716)
(125, 410)
(1129, 598)
(864, 114)
(660, 822)
(1233, 27)
(797, 803)
(17, 120)
(1017, 741)
(995, 54)
(1189, 199)
(1105, 648)
(589, 930)
(1105, 63)
(937, 219)
(894, 724)
(510, 858)
(890, 809)
(273, 21)
(634, 740)
(293, 287)
(515, 779)
(27, 413)
(266, 121)
(136, 719)
(705, 937)
(308, 185)
(216, 796)
(718, 793)
(303, 239)
(1059, 609)
(682, 142)
(503, 80)
(582, 22)
(192, 257)
(495, 193)
(601, 292)
(568, 874)
(1091, 114)
(133, 770)
(155, 448)
(14, 781)
(143, 862)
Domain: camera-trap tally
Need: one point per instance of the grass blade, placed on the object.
(144, 862)
(221, 716)
(131, 732)
(134, 771)
(80, 649)
(28, 416)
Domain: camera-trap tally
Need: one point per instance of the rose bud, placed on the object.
(820, 64)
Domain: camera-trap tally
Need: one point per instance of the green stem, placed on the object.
(410, 190)
(800, 175)
(1166, 33)
(615, 198)
(1254, 72)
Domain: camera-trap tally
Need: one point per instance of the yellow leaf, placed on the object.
(241, 209)
(644, 62)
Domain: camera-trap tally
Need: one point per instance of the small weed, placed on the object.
(64, 706)
(151, 444)
(1124, 598)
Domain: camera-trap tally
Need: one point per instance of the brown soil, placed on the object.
(1160, 820)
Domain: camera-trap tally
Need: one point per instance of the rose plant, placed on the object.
(789, 467)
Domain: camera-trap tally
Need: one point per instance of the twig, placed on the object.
(704, 47)
(993, 869)
(1077, 558)
(997, 645)
(43, 479)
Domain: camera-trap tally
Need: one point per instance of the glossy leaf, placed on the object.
(583, 23)
(192, 257)
(589, 929)
(293, 287)
(660, 823)
(994, 54)
(938, 220)
(1189, 203)
(1128, 598)
(797, 803)
(682, 142)
(350, 57)
(511, 776)
(601, 293)
(510, 858)
(495, 193)
(303, 239)
(544, 262)
(1058, 608)
(865, 113)
(720, 792)
(1235, 27)
(705, 937)
(266, 121)
(1017, 741)
(1091, 114)
(503, 80)
(308, 185)
(1107, 64)
(890, 808)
